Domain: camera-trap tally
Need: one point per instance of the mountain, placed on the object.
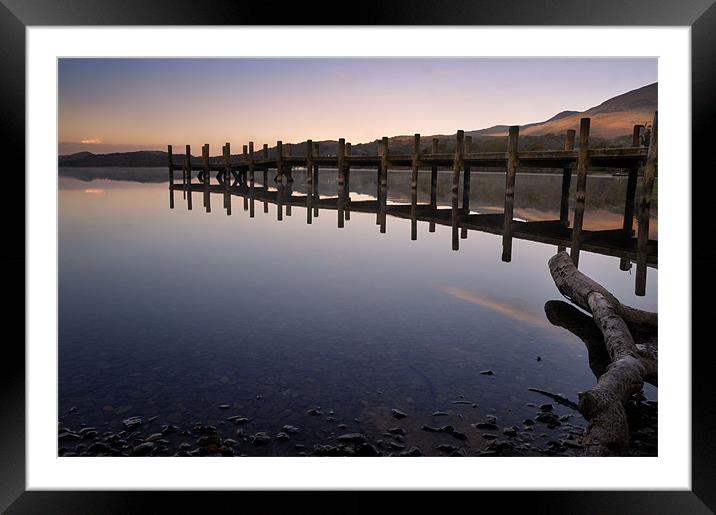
(611, 119)
(140, 158)
(611, 126)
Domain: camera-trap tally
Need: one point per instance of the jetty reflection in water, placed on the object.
(601, 237)
(175, 313)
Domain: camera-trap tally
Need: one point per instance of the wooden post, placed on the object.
(264, 184)
(207, 177)
(466, 186)
(309, 161)
(566, 180)
(288, 172)
(378, 177)
(633, 174)
(187, 165)
(384, 163)
(251, 180)
(309, 182)
(187, 184)
(340, 161)
(171, 176)
(458, 163)
(347, 175)
(466, 178)
(416, 162)
(434, 183)
(512, 163)
(252, 162)
(644, 209)
(581, 194)
(171, 165)
(227, 178)
(340, 164)
(631, 183)
(279, 161)
(317, 153)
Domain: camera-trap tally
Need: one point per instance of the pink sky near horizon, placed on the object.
(118, 105)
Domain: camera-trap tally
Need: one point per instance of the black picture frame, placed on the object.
(16, 15)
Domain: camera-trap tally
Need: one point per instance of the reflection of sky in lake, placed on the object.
(172, 313)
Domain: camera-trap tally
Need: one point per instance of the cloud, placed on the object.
(93, 141)
(501, 306)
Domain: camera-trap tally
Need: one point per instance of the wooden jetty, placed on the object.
(237, 178)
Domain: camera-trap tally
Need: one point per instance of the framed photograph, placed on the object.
(286, 256)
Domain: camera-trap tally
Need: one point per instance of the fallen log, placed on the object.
(630, 364)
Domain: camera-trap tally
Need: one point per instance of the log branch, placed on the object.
(630, 364)
(576, 286)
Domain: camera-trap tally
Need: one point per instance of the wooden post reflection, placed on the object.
(340, 204)
(187, 183)
(207, 177)
(628, 223)
(227, 178)
(457, 166)
(347, 189)
(383, 208)
(580, 196)
(434, 184)
(309, 181)
(414, 188)
(317, 153)
(414, 214)
(455, 219)
(279, 201)
(170, 163)
(466, 187)
(341, 162)
(645, 208)
(251, 179)
(566, 180)
(383, 184)
(512, 143)
(379, 178)
(264, 182)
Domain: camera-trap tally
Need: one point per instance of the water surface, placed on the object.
(171, 313)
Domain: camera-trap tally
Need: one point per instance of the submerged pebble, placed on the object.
(398, 413)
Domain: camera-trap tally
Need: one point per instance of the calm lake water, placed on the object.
(172, 314)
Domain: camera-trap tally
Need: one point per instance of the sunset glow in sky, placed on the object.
(117, 105)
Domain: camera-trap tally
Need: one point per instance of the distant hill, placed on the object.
(611, 126)
(611, 119)
(142, 158)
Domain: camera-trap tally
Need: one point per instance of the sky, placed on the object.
(118, 105)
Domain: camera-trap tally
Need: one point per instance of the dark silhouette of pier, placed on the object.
(238, 178)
